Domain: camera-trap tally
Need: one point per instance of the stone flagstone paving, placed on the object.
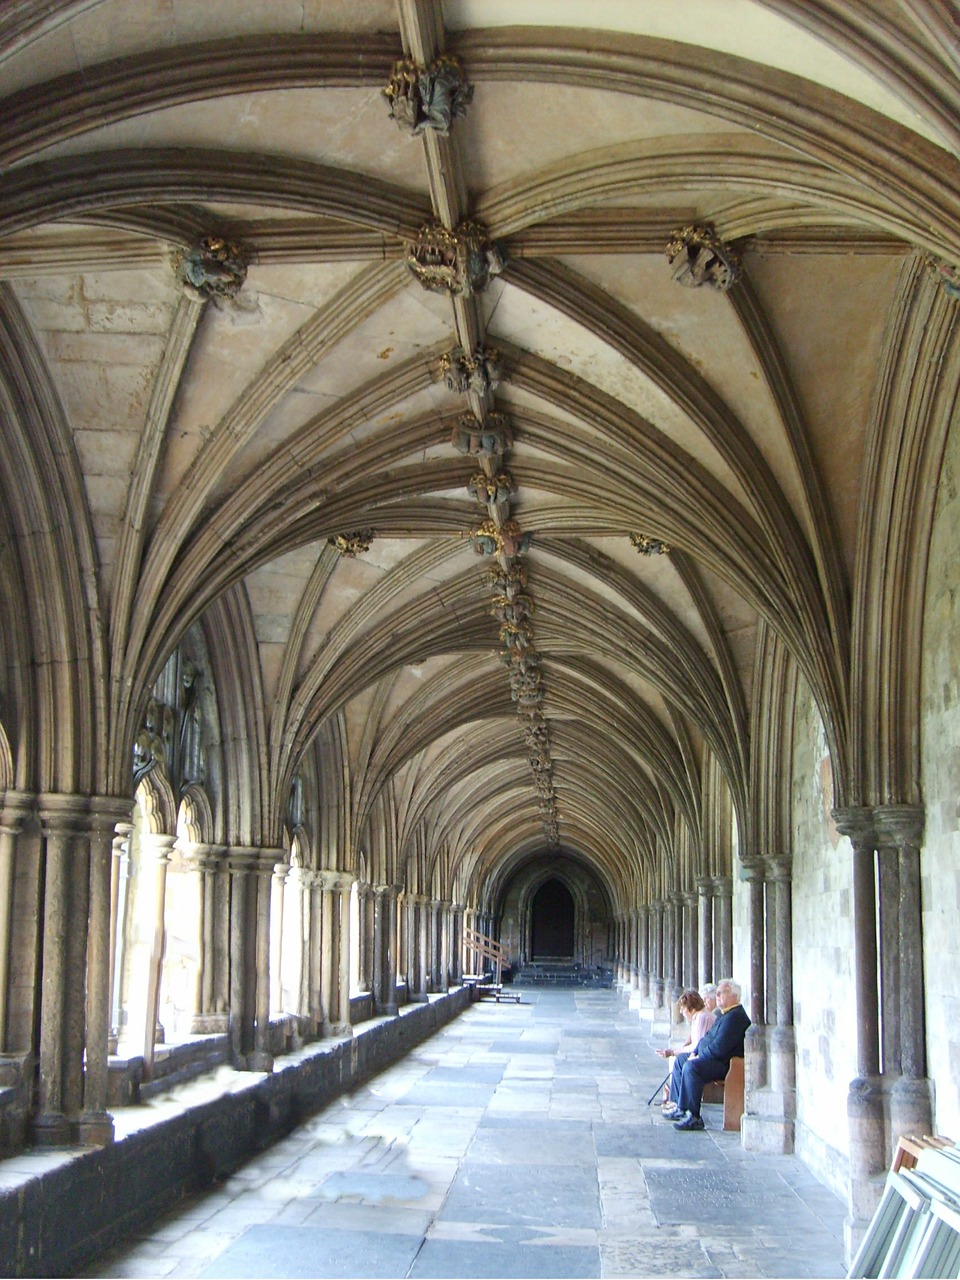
(516, 1142)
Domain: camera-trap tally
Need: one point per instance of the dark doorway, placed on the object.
(552, 922)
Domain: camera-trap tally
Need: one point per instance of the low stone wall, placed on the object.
(55, 1222)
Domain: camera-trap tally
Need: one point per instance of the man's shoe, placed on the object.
(691, 1122)
(672, 1113)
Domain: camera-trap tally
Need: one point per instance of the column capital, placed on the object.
(900, 824)
(689, 899)
(780, 867)
(109, 811)
(704, 886)
(856, 822)
(723, 886)
(753, 868)
(15, 808)
(387, 890)
(157, 845)
(204, 857)
(62, 814)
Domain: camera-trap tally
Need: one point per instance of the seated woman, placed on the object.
(701, 1015)
(694, 1010)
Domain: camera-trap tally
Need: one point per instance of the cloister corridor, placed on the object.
(515, 1142)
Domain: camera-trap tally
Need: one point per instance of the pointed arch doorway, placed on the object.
(552, 922)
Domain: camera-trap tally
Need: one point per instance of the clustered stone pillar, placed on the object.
(385, 950)
(770, 1102)
(74, 1025)
(17, 805)
(705, 930)
(659, 985)
(644, 957)
(723, 939)
(341, 1022)
(95, 1127)
(890, 1095)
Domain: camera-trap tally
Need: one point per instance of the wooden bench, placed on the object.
(495, 991)
(729, 1091)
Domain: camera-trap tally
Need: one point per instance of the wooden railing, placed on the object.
(487, 949)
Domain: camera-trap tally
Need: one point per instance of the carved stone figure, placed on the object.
(949, 277)
(479, 371)
(486, 488)
(487, 439)
(428, 97)
(352, 544)
(698, 257)
(215, 268)
(649, 546)
(461, 261)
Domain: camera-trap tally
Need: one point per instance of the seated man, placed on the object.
(711, 1061)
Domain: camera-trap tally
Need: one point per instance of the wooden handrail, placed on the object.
(488, 948)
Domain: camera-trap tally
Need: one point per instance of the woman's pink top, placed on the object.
(700, 1024)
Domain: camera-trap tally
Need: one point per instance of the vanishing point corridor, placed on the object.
(516, 1142)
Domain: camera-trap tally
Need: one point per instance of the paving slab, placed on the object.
(516, 1142)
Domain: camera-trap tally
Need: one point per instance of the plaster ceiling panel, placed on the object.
(831, 336)
(557, 124)
(410, 322)
(279, 427)
(116, 28)
(703, 327)
(737, 620)
(103, 337)
(231, 346)
(746, 30)
(345, 129)
(525, 321)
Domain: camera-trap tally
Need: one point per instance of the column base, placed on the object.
(390, 1010)
(769, 1135)
(94, 1129)
(51, 1129)
(911, 1108)
(259, 1060)
(341, 1029)
(208, 1024)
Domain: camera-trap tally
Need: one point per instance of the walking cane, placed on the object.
(658, 1088)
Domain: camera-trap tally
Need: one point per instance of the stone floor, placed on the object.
(516, 1142)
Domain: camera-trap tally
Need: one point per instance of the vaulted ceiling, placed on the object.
(590, 385)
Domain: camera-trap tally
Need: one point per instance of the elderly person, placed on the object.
(694, 1010)
(711, 1061)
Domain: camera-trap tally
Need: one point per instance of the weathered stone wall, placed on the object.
(940, 746)
(824, 1006)
(57, 1221)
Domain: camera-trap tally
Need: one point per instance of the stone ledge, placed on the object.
(60, 1209)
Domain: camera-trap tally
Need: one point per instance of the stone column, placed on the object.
(119, 898)
(341, 1022)
(15, 808)
(241, 864)
(456, 920)
(690, 941)
(868, 1157)
(754, 871)
(769, 1122)
(329, 951)
(261, 1057)
(155, 850)
(676, 917)
(911, 1103)
(659, 984)
(200, 862)
(423, 946)
(385, 973)
(95, 1126)
(365, 892)
(644, 919)
(632, 950)
(705, 904)
(62, 820)
(723, 887)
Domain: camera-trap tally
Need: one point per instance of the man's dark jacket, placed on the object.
(724, 1040)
